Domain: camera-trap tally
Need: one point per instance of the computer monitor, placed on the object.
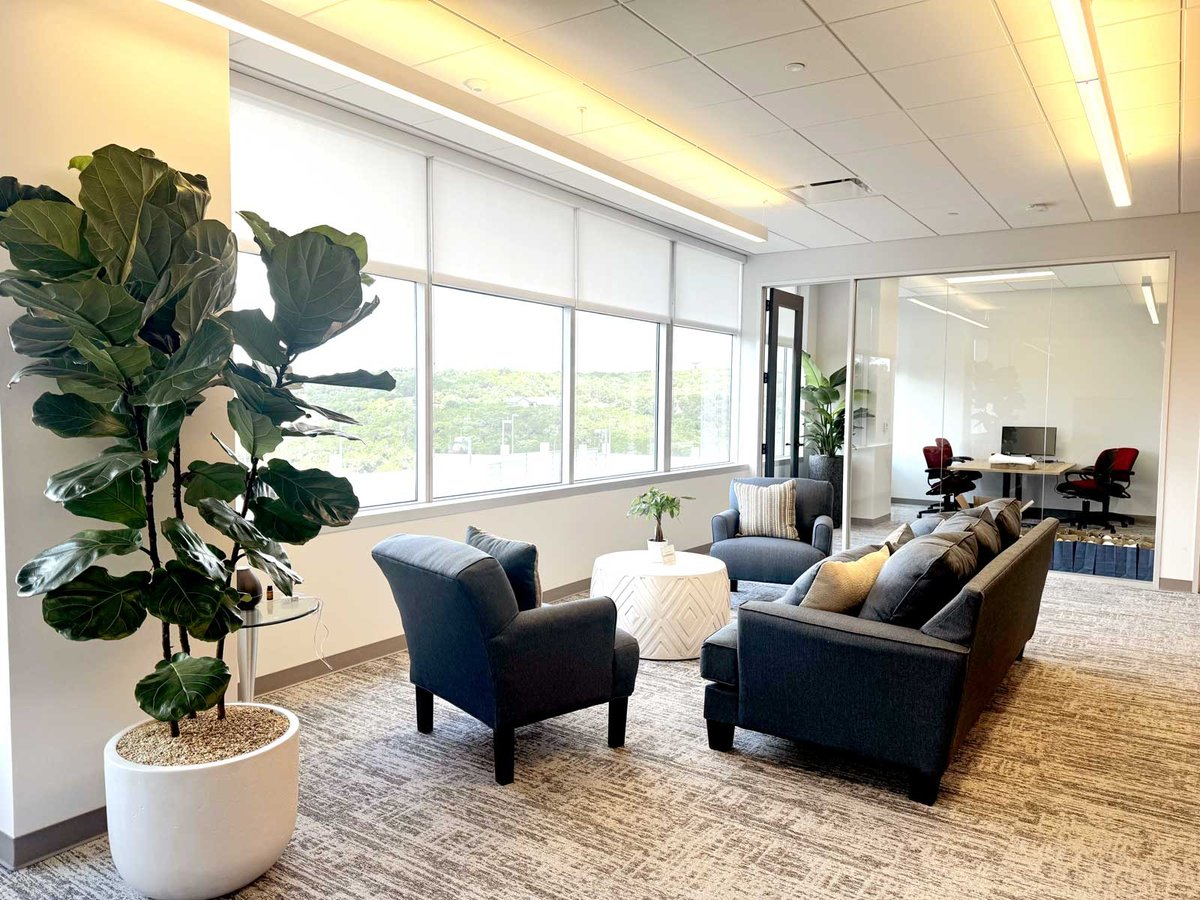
(1024, 440)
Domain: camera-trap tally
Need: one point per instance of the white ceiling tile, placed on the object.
(1060, 101)
(662, 89)
(854, 135)
(1148, 86)
(561, 110)
(801, 223)
(705, 25)
(760, 67)
(922, 32)
(302, 7)
(632, 140)
(1150, 41)
(875, 218)
(836, 10)
(966, 216)
(830, 101)
(1106, 12)
(907, 170)
(411, 32)
(286, 66)
(1028, 20)
(1131, 271)
(1191, 68)
(711, 126)
(1087, 275)
(382, 104)
(989, 113)
(784, 159)
(517, 16)
(1045, 61)
(594, 46)
(505, 72)
(991, 71)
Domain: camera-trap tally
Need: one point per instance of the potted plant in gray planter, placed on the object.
(825, 424)
(126, 300)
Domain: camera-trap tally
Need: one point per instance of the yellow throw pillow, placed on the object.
(842, 587)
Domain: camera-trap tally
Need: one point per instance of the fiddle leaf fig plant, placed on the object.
(825, 407)
(126, 300)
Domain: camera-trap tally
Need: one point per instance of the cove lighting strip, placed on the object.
(999, 276)
(1148, 296)
(290, 34)
(945, 312)
(1083, 53)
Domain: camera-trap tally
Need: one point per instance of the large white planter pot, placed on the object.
(196, 832)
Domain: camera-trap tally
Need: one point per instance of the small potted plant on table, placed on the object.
(654, 504)
(126, 301)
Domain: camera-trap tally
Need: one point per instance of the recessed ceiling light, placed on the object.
(795, 67)
(999, 276)
(478, 85)
(1148, 295)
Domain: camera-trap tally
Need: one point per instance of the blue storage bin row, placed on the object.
(1111, 560)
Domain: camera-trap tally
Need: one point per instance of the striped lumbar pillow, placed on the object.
(767, 510)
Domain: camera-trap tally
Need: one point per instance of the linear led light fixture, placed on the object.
(283, 31)
(1083, 53)
(1148, 296)
(999, 276)
(945, 312)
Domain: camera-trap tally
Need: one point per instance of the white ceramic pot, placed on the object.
(196, 832)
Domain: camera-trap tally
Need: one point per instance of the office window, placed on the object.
(616, 395)
(382, 463)
(701, 388)
(497, 393)
(297, 171)
(487, 231)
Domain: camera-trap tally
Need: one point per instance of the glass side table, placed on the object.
(267, 612)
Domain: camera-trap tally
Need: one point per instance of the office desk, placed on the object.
(1042, 468)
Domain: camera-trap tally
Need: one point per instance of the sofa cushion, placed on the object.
(901, 536)
(925, 525)
(767, 510)
(719, 655)
(978, 522)
(921, 578)
(1006, 513)
(842, 586)
(519, 559)
(796, 593)
(765, 559)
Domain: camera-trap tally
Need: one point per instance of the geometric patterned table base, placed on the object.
(670, 610)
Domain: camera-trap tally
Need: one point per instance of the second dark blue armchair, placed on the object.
(469, 644)
(776, 560)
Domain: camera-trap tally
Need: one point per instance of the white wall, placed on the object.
(1160, 236)
(82, 74)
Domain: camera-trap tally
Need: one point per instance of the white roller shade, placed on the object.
(297, 171)
(487, 232)
(708, 288)
(623, 268)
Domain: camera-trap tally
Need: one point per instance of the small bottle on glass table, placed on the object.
(270, 599)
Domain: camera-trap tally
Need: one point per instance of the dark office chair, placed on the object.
(943, 482)
(1108, 479)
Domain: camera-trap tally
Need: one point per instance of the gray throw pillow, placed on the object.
(518, 559)
(925, 525)
(922, 577)
(901, 536)
(978, 522)
(955, 622)
(799, 589)
(1007, 514)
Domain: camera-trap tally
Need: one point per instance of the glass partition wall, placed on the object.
(1053, 367)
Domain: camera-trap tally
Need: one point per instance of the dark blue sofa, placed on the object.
(469, 644)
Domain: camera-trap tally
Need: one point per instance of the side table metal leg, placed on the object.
(247, 650)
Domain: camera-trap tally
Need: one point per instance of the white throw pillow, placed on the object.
(767, 510)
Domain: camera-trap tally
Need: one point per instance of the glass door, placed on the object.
(782, 423)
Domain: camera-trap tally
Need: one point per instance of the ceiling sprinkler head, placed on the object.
(477, 85)
(795, 67)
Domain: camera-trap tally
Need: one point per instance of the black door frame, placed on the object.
(775, 300)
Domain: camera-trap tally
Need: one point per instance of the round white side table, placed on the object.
(670, 609)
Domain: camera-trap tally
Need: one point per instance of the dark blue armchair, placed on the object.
(776, 560)
(470, 645)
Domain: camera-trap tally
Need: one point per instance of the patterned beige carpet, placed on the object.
(1082, 781)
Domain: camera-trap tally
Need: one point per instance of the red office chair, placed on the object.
(1108, 479)
(943, 482)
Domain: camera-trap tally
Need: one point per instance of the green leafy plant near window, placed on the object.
(654, 504)
(126, 300)
(825, 407)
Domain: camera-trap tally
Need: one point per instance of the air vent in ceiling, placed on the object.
(828, 191)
